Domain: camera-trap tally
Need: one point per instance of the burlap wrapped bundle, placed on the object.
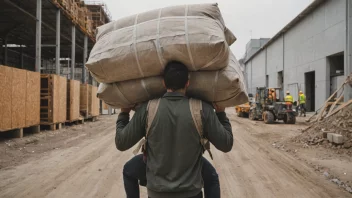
(140, 46)
(224, 87)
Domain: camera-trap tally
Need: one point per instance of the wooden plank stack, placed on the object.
(333, 104)
(53, 105)
(73, 98)
(87, 16)
(19, 99)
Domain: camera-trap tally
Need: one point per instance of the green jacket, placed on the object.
(173, 147)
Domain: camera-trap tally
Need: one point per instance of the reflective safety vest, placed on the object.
(289, 98)
(302, 99)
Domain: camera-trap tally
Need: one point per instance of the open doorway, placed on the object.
(280, 84)
(309, 79)
(336, 67)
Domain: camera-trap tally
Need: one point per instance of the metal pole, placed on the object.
(38, 38)
(109, 110)
(348, 50)
(1, 52)
(22, 56)
(33, 17)
(5, 55)
(266, 69)
(73, 52)
(85, 54)
(58, 42)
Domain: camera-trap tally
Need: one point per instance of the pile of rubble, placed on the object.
(334, 131)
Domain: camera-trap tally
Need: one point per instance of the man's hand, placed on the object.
(126, 110)
(218, 109)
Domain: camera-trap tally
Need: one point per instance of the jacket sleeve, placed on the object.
(128, 133)
(217, 128)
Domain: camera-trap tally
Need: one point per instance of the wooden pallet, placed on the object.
(18, 133)
(76, 122)
(91, 118)
(51, 126)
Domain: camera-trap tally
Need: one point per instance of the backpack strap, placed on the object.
(152, 108)
(196, 108)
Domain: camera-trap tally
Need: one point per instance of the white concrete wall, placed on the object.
(275, 61)
(258, 70)
(248, 76)
(304, 48)
(307, 45)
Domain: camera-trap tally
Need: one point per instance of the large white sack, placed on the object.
(140, 46)
(225, 87)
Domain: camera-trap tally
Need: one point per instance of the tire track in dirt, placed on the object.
(93, 168)
(255, 169)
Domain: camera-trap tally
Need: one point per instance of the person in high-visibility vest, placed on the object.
(288, 98)
(302, 102)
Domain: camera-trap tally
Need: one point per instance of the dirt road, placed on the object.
(87, 164)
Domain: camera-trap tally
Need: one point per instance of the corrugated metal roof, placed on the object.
(313, 6)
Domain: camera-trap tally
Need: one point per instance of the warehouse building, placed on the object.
(308, 54)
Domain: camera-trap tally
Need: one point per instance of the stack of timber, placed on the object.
(98, 14)
(82, 16)
(89, 103)
(87, 16)
(19, 101)
(53, 100)
(73, 97)
(334, 103)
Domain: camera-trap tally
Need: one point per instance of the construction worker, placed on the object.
(302, 103)
(172, 164)
(288, 98)
(273, 93)
(270, 96)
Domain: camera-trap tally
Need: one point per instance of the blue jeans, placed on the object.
(135, 170)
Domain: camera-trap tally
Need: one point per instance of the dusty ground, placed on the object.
(82, 161)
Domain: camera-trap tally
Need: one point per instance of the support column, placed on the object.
(1, 52)
(85, 54)
(73, 52)
(109, 110)
(38, 38)
(5, 52)
(58, 42)
(348, 50)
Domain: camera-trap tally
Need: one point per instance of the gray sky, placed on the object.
(263, 17)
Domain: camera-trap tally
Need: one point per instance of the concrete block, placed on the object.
(335, 138)
(18, 133)
(330, 137)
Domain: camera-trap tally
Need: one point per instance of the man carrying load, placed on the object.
(176, 130)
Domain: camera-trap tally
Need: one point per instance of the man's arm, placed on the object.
(217, 128)
(128, 133)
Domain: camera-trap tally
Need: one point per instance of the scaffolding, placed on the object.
(102, 5)
(37, 34)
(98, 12)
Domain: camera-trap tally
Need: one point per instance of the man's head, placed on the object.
(287, 92)
(300, 92)
(176, 76)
